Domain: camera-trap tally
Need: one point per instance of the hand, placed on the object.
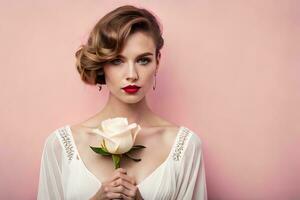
(128, 188)
(119, 186)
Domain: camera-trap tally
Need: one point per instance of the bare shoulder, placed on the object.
(80, 133)
(169, 130)
(170, 135)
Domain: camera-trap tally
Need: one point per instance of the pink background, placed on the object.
(229, 71)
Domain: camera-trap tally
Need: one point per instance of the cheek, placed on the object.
(148, 79)
(112, 77)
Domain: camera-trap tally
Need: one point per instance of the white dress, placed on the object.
(63, 175)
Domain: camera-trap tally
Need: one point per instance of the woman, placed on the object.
(123, 50)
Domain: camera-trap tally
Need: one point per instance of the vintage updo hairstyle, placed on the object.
(107, 38)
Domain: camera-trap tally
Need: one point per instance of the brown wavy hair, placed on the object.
(107, 38)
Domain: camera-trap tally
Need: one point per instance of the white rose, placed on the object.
(119, 137)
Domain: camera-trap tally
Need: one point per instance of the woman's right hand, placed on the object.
(110, 189)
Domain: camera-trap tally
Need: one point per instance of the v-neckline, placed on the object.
(146, 178)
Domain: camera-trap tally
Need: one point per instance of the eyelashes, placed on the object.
(142, 61)
(145, 60)
(115, 61)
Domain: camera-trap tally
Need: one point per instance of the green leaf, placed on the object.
(100, 150)
(135, 159)
(136, 147)
(116, 159)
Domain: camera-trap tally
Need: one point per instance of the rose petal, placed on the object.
(118, 136)
(131, 126)
(111, 147)
(125, 142)
(103, 135)
(136, 132)
(113, 125)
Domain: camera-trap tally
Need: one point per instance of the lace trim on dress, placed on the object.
(66, 140)
(180, 144)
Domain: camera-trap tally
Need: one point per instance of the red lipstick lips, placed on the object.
(131, 89)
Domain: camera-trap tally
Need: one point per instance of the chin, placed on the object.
(132, 100)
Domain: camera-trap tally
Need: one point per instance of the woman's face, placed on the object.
(135, 65)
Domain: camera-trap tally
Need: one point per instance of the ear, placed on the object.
(157, 61)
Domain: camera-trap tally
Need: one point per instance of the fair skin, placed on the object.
(157, 134)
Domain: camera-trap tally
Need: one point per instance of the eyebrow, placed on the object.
(141, 55)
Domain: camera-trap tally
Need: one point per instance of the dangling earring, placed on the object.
(100, 86)
(154, 86)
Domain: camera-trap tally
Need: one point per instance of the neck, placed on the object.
(135, 112)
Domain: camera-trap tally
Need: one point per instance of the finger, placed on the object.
(114, 195)
(123, 170)
(128, 198)
(119, 193)
(128, 187)
(122, 176)
(129, 179)
(119, 189)
(111, 193)
(117, 173)
(127, 194)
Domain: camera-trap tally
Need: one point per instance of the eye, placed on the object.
(144, 61)
(116, 61)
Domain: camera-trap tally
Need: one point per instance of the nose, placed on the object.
(131, 72)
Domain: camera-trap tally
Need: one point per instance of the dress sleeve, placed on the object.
(191, 180)
(50, 181)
